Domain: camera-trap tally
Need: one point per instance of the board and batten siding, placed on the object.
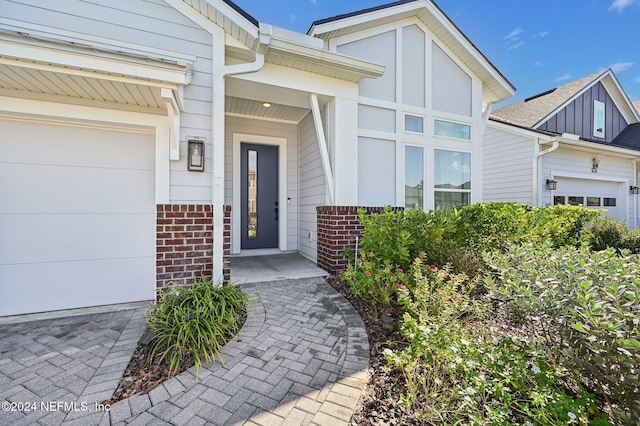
(288, 131)
(577, 117)
(149, 23)
(507, 166)
(312, 187)
(568, 162)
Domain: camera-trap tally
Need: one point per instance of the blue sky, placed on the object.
(537, 45)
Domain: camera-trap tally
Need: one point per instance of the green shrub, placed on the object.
(459, 372)
(590, 302)
(460, 235)
(605, 232)
(193, 323)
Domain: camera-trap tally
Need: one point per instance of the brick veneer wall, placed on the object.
(184, 243)
(338, 227)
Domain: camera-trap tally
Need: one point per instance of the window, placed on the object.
(593, 201)
(558, 200)
(413, 177)
(598, 119)
(452, 179)
(413, 123)
(452, 130)
(609, 202)
(576, 201)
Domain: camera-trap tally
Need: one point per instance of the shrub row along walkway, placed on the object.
(300, 358)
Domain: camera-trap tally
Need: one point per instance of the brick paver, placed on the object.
(300, 359)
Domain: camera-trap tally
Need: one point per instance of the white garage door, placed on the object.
(77, 217)
(596, 194)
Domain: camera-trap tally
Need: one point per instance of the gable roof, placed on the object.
(535, 110)
(496, 87)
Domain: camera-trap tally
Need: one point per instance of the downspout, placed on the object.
(635, 201)
(218, 123)
(535, 182)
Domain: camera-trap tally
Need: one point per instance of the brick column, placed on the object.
(184, 243)
(338, 227)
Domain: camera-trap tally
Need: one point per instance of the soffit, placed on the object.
(229, 18)
(255, 108)
(31, 80)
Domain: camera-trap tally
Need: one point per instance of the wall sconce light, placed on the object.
(551, 184)
(634, 190)
(266, 104)
(594, 165)
(196, 156)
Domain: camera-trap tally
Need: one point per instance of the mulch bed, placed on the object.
(379, 403)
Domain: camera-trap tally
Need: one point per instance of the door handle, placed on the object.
(277, 211)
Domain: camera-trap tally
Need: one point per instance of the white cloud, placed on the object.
(541, 34)
(562, 78)
(314, 2)
(515, 46)
(636, 80)
(621, 66)
(292, 18)
(621, 5)
(513, 35)
(537, 64)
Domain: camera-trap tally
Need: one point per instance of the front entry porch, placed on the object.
(253, 269)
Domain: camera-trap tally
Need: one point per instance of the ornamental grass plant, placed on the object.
(192, 324)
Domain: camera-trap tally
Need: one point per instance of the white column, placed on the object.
(344, 143)
(217, 183)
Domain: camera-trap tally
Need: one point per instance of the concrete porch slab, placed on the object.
(253, 269)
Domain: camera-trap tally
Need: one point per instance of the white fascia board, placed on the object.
(364, 69)
(364, 18)
(628, 111)
(29, 107)
(591, 147)
(280, 76)
(542, 138)
(37, 57)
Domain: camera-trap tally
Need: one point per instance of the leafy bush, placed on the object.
(605, 232)
(591, 303)
(193, 323)
(457, 372)
(461, 235)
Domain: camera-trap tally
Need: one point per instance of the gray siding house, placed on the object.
(575, 144)
(144, 142)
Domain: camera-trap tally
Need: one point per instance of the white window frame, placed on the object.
(444, 120)
(424, 170)
(404, 123)
(467, 191)
(598, 113)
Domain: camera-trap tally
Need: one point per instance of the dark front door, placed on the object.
(259, 182)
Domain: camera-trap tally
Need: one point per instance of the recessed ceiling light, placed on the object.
(266, 104)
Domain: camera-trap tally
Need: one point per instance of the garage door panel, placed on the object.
(77, 217)
(43, 144)
(38, 238)
(57, 189)
(66, 285)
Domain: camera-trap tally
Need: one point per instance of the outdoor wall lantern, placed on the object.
(551, 184)
(594, 165)
(634, 190)
(196, 156)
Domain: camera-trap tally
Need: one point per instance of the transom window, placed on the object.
(452, 130)
(413, 123)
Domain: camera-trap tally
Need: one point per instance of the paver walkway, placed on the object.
(300, 358)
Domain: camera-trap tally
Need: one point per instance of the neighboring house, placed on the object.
(584, 137)
(143, 142)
